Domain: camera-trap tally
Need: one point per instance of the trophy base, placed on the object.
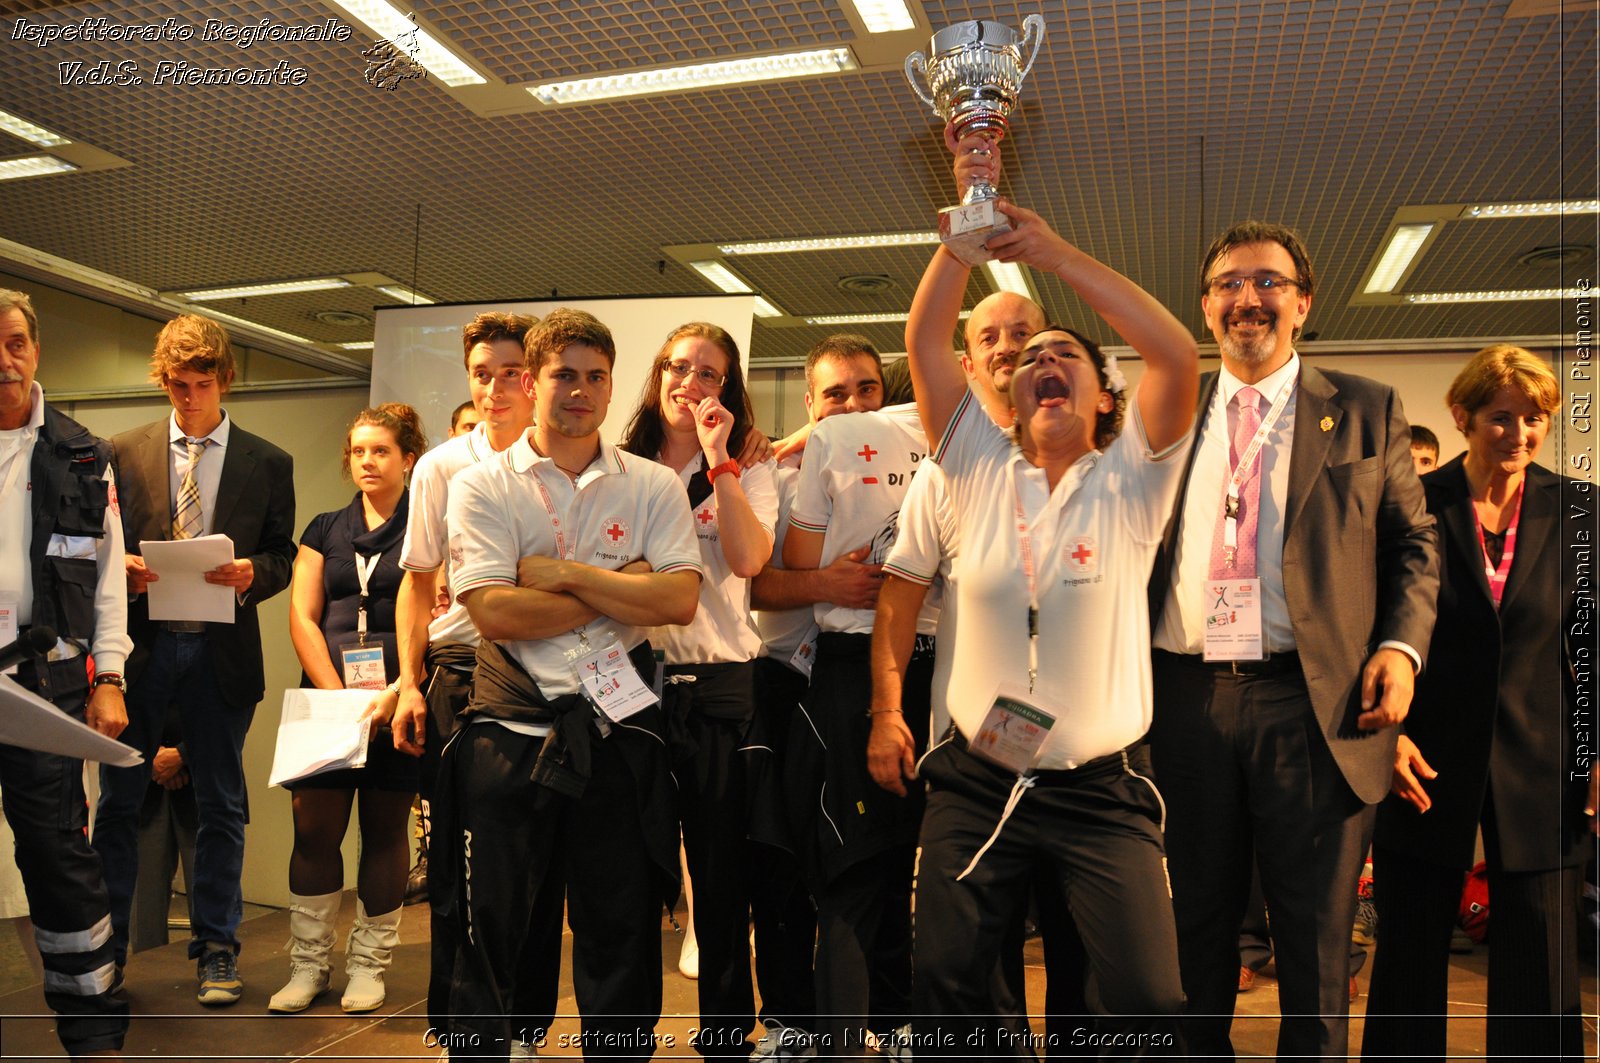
(966, 228)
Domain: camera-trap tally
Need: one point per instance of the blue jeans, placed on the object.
(180, 678)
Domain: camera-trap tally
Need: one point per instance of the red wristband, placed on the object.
(717, 470)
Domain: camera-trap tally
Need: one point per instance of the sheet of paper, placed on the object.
(29, 721)
(182, 592)
(319, 730)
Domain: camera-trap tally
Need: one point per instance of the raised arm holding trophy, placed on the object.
(974, 72)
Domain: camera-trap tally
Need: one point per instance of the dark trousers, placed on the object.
(168, 823)
(181, 674)
(781, 910)
(1247, 773)
(47, 810)
(1534, 1007)
(713, 808)
(513, 836)
(864, 952)
(1096, 831)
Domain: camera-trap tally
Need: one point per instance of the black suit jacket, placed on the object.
(1493, 714)
(255, 508)
(1359, 554)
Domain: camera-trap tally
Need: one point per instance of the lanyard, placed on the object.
(1030, 565)
(1230, 507)
(1497, 576)
(555, 518)
(364, 567)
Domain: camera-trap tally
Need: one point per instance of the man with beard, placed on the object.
(1291, 598)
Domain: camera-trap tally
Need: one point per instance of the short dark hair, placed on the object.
(455, 414)
(1259, 232)
(560, 329)
(841, 345)
(1423, 436)
(491, 326)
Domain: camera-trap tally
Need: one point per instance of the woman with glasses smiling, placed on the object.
(693, 415)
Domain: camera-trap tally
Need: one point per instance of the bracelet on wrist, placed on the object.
(883, 712)
(717, 470)
(112, 678)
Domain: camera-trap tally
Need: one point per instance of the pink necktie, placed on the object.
(1244, 561)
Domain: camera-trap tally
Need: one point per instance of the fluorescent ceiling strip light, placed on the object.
(729, 281)
(33, 166)
(244, 291)
(1543, 208)
(401, 294)
(866, 319)
(701, 76)
(829, 243)
(390, 24)
(358, 345)
(1007, 277)
(1516, 295)
(18, 126)
(720, 275)
(884, 16)
(1398, 256)
(211, 312)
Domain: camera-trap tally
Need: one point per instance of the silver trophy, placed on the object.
(974, 72)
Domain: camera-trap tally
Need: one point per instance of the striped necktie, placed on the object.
(188, 521)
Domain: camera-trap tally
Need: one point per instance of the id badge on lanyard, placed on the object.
(363, 664)
(612, 684)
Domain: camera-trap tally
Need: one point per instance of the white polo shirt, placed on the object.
(723, 630)
(1095, 537)
(783, 630)
(857, 470)
(426, 530)
(924, 552)
(622, 508)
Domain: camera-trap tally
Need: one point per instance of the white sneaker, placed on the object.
(781, 1043)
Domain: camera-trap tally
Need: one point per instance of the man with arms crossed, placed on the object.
(191, 474)
(60, 567)
(1281, 741)
(562, 549)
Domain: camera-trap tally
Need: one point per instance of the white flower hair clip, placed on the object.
(1116, 383)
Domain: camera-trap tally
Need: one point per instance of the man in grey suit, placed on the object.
(191, 474)
(1292, 598)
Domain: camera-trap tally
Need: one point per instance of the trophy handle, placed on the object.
(1032, 26)
(916, 61)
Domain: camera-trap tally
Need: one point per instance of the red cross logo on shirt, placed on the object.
(866, 452)
(616, 531)
(1081, 553)
(705, 516)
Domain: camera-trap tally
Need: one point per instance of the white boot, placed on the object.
(311, 927)
(367, 956)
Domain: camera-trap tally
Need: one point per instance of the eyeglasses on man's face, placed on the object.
(1266, 284)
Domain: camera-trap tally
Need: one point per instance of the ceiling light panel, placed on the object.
(401, 294)
(618, 35)
(1535, 209)
(20, 127)
(388, 23)
(884, 16)
(1008, 277)
(720, 275)
(1516, 295)
(701, 76)
(33, 166)
(829, 243)
(246, 291)
(1404, 244)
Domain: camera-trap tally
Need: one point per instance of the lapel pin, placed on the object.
(1327, 424)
